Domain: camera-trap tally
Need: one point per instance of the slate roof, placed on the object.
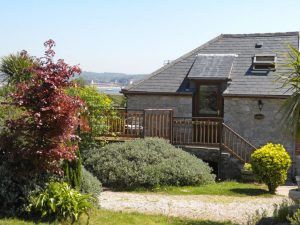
(173, 78)
(212, 66)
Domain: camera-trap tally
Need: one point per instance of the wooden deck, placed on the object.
(128, 125)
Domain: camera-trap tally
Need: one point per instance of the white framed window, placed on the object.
(264, 62)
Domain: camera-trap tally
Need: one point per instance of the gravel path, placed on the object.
(216, 208)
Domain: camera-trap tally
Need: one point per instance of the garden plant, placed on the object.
(148, 163)
(271, 163)
(38, 139)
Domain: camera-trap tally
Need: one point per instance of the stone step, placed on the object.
(226, 154)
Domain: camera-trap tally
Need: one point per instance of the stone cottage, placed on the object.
(231, 77)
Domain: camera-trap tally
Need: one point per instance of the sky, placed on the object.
(134, 36)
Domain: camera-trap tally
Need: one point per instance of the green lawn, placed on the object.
(227, 188)
(105, 217)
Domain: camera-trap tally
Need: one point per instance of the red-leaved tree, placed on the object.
(44, 135)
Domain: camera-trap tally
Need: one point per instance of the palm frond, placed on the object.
(15, 68)
(290, 110)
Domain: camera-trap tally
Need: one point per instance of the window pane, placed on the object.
(265, 58)
(208, 95)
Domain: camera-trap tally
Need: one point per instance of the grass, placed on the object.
(227, 188)
(105, 217)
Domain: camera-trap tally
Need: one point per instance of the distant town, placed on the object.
(109, 83)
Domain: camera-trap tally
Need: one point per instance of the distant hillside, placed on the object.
(107, 77)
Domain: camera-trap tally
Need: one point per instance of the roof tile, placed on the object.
(172, 78)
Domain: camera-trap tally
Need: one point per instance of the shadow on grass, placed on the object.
(250, 191)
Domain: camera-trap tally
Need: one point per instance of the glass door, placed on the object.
(208, 104)
(208, 101)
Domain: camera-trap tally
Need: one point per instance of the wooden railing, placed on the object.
(236, 145)
(140, 123)
(158, 123)
(126, 123)
(201, 131)
(197, 131)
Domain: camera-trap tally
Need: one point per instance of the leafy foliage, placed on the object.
(90, 184)
(59, 202)
(73, 172)
(287, 212)
(87, 144)
(15, 68)
(291, 80)
(146, 163)
(14, 190)
(257, 218)
(283, 211)
(98, 106)
(8, 111)
(295, 218)
(43, 136)
(270, 163)
(247, 167)
(118, 101)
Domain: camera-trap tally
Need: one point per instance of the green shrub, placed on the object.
(247, 174)
(14, 191)
(247, 167)
(270, 163)
(148, 163)
(60, 203)
(73, 171)
(257, 218)
(295, 219)
(86, 144)
(90, 184)
(283, 211)
(98, 106)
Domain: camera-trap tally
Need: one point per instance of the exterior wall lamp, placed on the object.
(260, 104)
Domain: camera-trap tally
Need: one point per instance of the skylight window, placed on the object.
(264, 62)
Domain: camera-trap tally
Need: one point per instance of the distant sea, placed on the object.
(110, 90)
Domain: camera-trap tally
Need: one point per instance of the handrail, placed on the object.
(197, 131)
(121, 108)
(198, 117)
(236, 144)
(224, 125)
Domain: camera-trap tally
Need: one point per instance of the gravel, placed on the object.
(210, 207)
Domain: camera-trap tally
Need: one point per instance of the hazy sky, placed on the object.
(134, 36)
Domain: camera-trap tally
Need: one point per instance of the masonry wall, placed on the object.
(182, 105)
(239, 114)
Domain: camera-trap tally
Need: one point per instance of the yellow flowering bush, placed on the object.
(98, 106)
(270, 163)
(247, 167)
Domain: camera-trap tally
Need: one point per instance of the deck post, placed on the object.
(220, 147)
(171, 126)
(144, 123)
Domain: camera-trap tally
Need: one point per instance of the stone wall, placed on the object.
(227, 168)
(239, 115)
(182, 105)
